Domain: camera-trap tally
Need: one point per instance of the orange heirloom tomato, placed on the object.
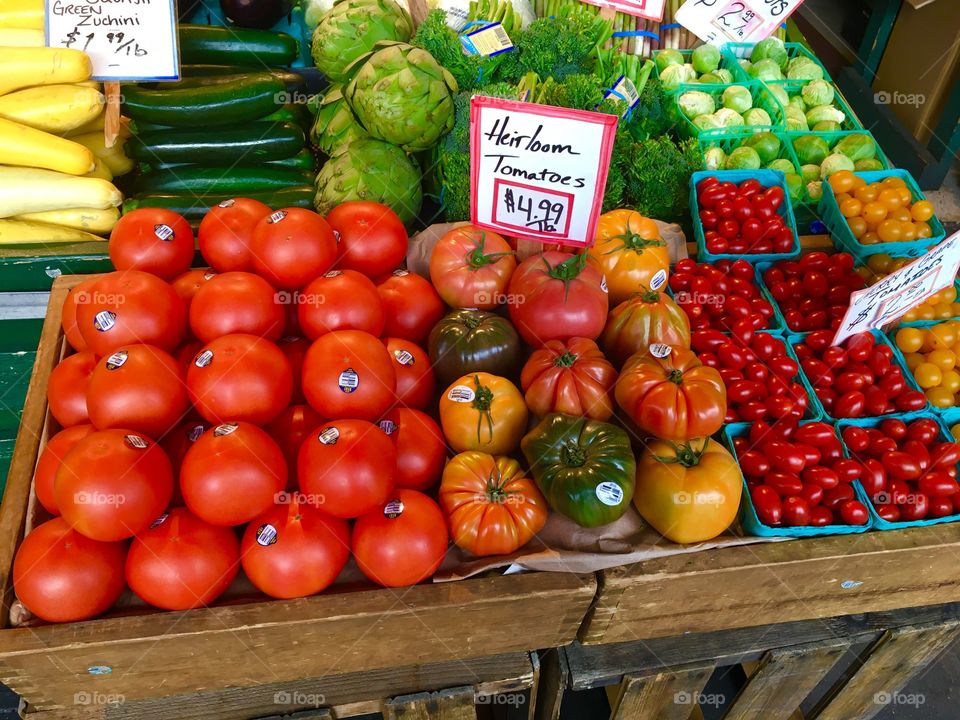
(484, 412)
(629, 251)
(647, 317)
(690, 492)
(674, 397)
(471, 267)
(493, 509)
(571, 377)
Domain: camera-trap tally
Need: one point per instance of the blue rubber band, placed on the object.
(637, 33)
(670, 26)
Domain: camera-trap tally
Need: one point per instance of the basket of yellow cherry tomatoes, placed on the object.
(942, 305)
(880, 211)
(932, 355)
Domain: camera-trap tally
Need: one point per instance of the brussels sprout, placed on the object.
(771, 48)
(706, 58)
(757, 116)
(728, 118)
(745, 64)
(817, 92)
(815, 190)
(765, 144)
(794, 186)
(826, 126)
(835, 163)
(675, 75)
(810, 173)
(666, 58)
(694, 103)
(714, 159)
(706, 122)
(811, 150)
(825, 112)
(710, 79)
(779, 93)
(803, 68)
(797, 103)
(766, 70)
(782, 165)
(867, 165)
(796, 120)
(858, 146)
(726, 77)
(743, 158)
(737, 98)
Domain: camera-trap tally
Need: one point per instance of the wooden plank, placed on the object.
(452, 704)
(782, 680)
(772, 583)
(897, 656)
(668, 695)
(554, 676)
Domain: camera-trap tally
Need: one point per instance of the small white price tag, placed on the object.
(902, 290)
(135, 40)
(722, 21)
(537, 171)
(624, 91)
(488, 40)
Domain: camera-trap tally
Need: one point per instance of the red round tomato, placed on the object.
(62, 576)
(67, 389)
(139, 388)
(340, 300)
(349, 374)
(154, 240)
(292, 246)
(415, 381)
(232, 473)
(289, 430)
(371, 237)
(189, 283)
(240, 377)
(49, 462)
(411, 306)
(176, 443)
(77, 295)
(471, 267)
(131, 307)
(237, 302)
(421, 448)
(294, 550)
(112, 484)
(182, 562)
(346, 467)
(295, 348)
(402, 542)
(557, 296)
(225, 232)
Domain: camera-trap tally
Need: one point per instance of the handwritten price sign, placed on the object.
(538, 172)
(133, 40)
(721, 21)
(649, 9)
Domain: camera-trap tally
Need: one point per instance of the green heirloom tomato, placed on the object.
(584, 467)
(467, 341)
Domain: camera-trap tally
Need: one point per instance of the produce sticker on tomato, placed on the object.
(723, 21)
(649, 9)
(901, 291)
(538, 172)
(134, 40)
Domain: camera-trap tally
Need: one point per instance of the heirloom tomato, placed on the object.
(471, 267)
(473, 341)
(630, 253)
(673, 397)
(411, 306)
(571, 377)
(645, 318)
(484, 412)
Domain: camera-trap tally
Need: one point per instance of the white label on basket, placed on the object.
(624, 91)
(277, 217)
(329, 436)
(348, 380)
(203, 359)
(164, 232)
(135, 441)
(388, 426)
(104, 320)
(225, 429)
(609, 493)
(461, 394)
(266, 535)
(393, 509)
(659, 350)
(657, 281)
(117, 360)
(404, 357)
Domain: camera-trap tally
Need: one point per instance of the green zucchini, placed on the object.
(303, 160)
(207, 44)
(192, 206)
(226, 181)
(292, 81)
(256, 141)
(290, 113)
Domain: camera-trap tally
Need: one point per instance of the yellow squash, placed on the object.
(30, 190)
(52, 108)
(21, 37)
(22, 14)
(22, 67)
(113, 157)
(100, 170)
(25, 146)
(91, 220)
(18, 232)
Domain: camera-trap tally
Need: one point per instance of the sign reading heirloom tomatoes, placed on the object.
(722, 21)
(649, 9)
(536, 171)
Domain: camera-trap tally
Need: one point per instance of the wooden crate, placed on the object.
(153, 654)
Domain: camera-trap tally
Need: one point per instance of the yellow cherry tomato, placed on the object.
(869, 238)
(913, 360)
(874, 212)
(893, 182)
(950, 381)
(908, 232)
(858, 226)
(910, 315)
(890, 231)
(909, 340)
(868, 193)
(906, 198)
(843, 197)
(927, 375)
(941, 336)
(942, 311)
(940, 397)
(954, 309)
(942, 358)
(900, 215)
(891, 198)
(842, 181)
(858, 182)
(922, 210)
(880, 263)
(851, 207)
(955, 431)
(925, 312)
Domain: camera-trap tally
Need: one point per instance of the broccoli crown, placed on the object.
(657, 175)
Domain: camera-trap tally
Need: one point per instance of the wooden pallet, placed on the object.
(153, 654)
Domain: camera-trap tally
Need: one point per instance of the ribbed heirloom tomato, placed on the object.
(484, 412)
(291, 247)
(646, 317)
(48, 464)
(415, 381)
(492, 507)
(571, 377)
(226, 230)
(236, 302)
(154, 240)
(421, 448)
(673, 397)
(67, 388)
(411, 306)
(340, 300)
(471, 267)
(630, 253)
(371, 238)
(469, 340)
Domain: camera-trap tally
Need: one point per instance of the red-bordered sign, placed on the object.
(538, 172)
(649, 9)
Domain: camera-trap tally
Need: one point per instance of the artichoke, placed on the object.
(402, 95)
(335, 127)
(351, 29)
(372, 170)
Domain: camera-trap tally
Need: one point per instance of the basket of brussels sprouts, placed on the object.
(772, 59)
(705, 64)
(706, 108)
(742, 148)
(820, 154)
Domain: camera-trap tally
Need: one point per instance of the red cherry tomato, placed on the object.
(854, 512)
(796, 512)
(821, 516)
(833, 499)
(784, 483)
(822, 476)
